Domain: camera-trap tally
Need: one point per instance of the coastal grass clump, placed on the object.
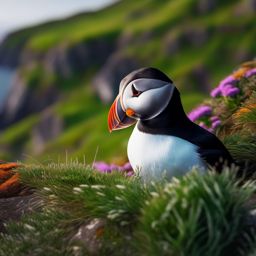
(191, 215)
(93, 194)
(198, 215)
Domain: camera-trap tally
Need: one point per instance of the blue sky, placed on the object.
(15, 14)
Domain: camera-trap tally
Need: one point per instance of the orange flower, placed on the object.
(240, 72)
(9, 180)
(249, 64)
(244, 110)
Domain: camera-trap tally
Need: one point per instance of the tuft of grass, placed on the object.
(197, 215)
(94, 194)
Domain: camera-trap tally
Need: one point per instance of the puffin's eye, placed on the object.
(135, 93)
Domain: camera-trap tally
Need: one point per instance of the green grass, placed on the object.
(197, 215)
(193, 215)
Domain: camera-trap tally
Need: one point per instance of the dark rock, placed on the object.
(29, 57)
(14, 208)
(13, 50)
(15, 99)
(89, 235)
(56, 61)
(10, 55)
(49, 127)
(106, 82)
(65, 61)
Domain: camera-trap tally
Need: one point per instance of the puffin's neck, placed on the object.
(171, 118)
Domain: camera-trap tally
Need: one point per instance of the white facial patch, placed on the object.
(153, 98)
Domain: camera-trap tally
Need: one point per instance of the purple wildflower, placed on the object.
(114, 167)
(216, 124)
(127, 167)
(214, 118)
(101, 167)
(230, 91)
(216, 92)
(224, 86)
(129, 174)
(108, 168)
(250, 72)
(199, 112)
(210, 130)
(228, 80)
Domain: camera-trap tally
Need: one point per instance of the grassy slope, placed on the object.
(84, 116)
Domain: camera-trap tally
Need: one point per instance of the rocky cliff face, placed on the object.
(106, 81)
(10, 55)
(49, 127)
(63, 62)
(22, 101)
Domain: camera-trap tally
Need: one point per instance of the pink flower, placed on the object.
(230, 91)
(108, 168)
(101, 167)
(199, 112)
(215, 92)
(228, 80)
(216, 124)
(250, 72)
(214, 118)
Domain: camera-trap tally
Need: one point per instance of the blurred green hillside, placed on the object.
(68, 71)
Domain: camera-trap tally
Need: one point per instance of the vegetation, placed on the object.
(211, 214)
(192, 215)
(180, 38)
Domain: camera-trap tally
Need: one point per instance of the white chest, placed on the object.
(155, 156)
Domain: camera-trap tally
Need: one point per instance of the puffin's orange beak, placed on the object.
(117, 118)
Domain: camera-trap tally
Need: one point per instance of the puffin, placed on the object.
(164, 142)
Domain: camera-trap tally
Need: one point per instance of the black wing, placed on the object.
(211, 149)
